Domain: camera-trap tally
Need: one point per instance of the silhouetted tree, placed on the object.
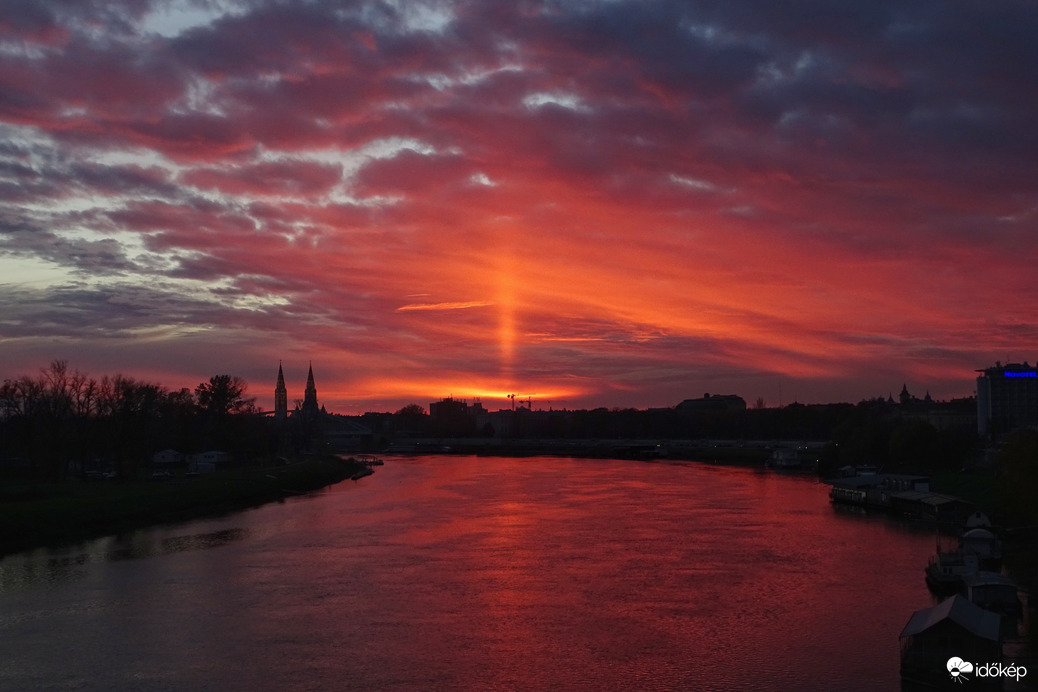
(411, 419)
(915, 445)
(223, 395)
(223, 406)
(44, 417)
(61, 419)
(1018, 462)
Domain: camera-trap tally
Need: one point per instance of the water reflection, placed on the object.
(483, 573)
(146, 546)
(57, 565)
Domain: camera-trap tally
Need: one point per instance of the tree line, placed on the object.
(61, 420)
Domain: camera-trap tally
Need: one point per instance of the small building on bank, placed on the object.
(876, 490)
(992, 591)
(931, 508)
(954, 628)
(206, 462)
(167, 458)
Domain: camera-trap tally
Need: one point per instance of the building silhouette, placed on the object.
(1007, 398)
(280, 397)
(717, 403)
(310, 405)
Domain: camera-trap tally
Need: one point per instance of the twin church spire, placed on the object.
(310, 406)
(280, 397)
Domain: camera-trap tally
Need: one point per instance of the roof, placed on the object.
(988, 579)
(978, 518)
(908, 477)
(938, 499)
(933, 499)
(858, 482)
(973, 618)
(914, 495)
(877, 480)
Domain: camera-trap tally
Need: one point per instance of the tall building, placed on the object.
(1007, 398)
(454, 417)
(280, 397)
(717, 403)
(310, 405)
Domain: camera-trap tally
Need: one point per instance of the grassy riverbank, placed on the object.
(39, 515)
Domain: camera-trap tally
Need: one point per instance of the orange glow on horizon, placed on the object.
(425, 391)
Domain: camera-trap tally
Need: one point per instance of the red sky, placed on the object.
(597, 203)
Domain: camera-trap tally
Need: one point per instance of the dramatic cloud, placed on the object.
(591, 203)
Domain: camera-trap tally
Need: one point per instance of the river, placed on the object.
(482, 573)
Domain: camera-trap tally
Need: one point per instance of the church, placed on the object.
(310, 407)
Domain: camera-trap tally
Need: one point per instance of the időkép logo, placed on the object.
(961, 670)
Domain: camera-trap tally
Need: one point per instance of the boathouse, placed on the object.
(985, 545)
(992, 591)
(931, 507)
(876, 489)
(206, 462)
(952, 628)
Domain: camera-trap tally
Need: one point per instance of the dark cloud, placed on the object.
(77, 310)
(29, 237)
(290, 178)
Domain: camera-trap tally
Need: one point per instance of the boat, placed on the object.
(946, 571)
(979, 549)
(992, 591)
(786, 459)
(985, 545)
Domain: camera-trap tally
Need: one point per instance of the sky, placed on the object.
(587, 203)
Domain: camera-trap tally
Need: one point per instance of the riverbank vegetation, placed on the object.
(83, 456)
(61, 424)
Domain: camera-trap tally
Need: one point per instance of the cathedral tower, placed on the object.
(310, 406)
(280, 397)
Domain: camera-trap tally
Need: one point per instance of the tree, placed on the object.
(132, 408)
(46, 415)
(411, 420)
(1018, 460)
(411, 411)
(223, 395)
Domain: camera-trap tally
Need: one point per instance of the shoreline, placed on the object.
(40, 516)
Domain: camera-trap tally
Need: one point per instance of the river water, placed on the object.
(482, 573)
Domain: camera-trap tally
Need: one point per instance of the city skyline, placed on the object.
(589, 204)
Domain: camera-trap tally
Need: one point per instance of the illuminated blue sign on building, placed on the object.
(1007, 398)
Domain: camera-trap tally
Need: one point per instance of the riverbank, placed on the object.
(42, 515)
(709, 451)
